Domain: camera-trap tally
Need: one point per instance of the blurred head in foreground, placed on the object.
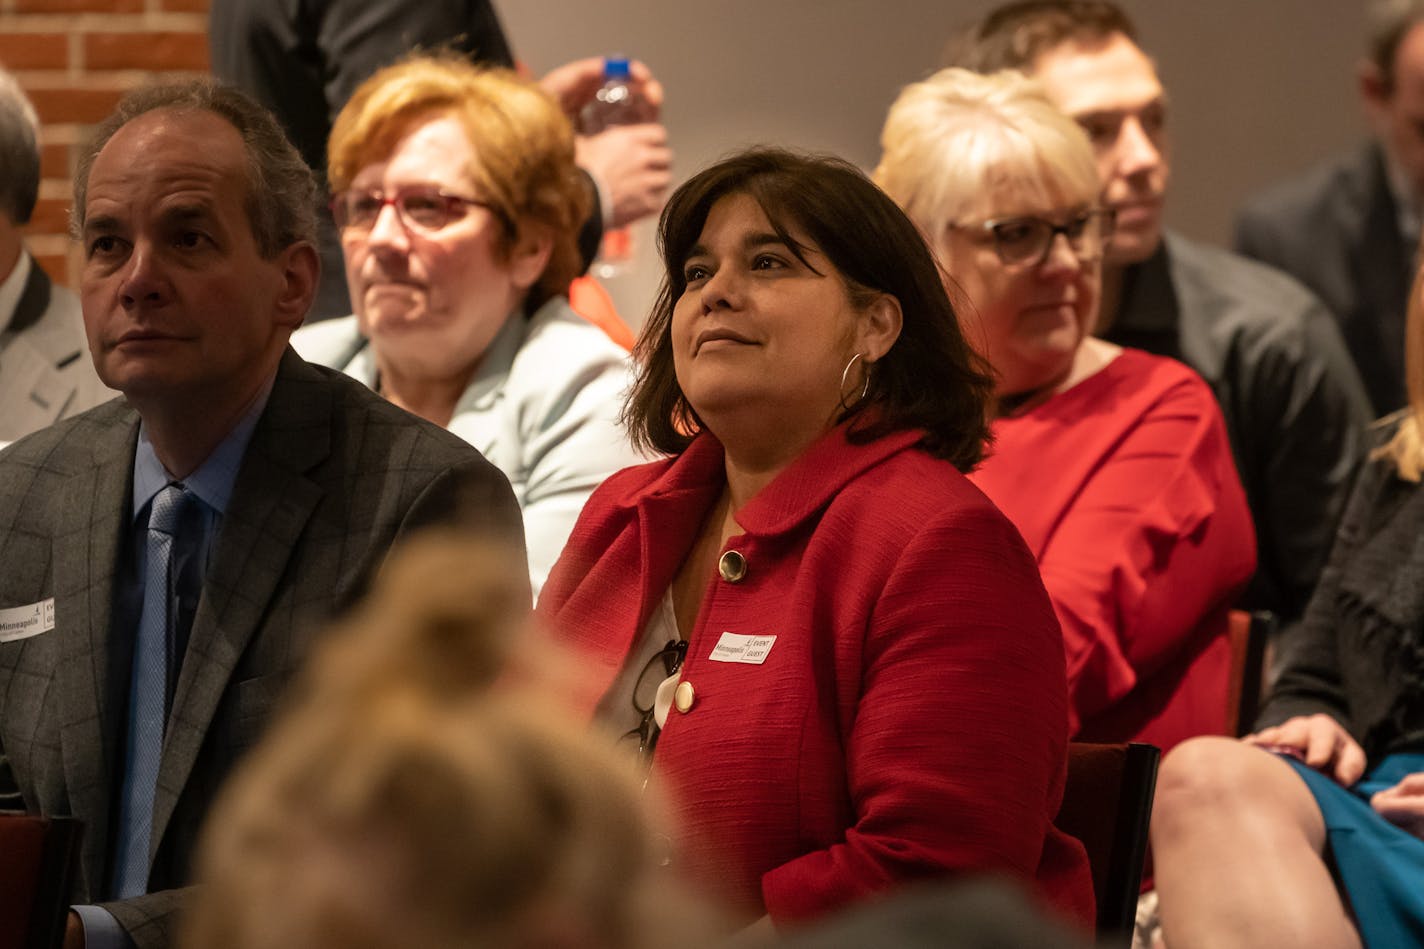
(409, 799)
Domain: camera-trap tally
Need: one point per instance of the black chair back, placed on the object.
(1107, 804)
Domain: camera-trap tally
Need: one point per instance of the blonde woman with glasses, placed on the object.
(1113, 463)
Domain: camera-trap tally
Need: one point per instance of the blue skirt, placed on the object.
(1380, 867)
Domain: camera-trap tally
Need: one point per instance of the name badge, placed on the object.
(752, 650)
(22, 622)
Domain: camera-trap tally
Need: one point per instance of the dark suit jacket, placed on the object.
(304, 58)
(1294, 407)
(332, 476)
(1336, 230)
(45, 370)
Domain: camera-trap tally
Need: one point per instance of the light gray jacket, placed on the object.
(543, 406)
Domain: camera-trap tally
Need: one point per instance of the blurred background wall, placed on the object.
(1259, 88)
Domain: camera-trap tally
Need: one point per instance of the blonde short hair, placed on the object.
(417, 794)
(524, 148)
(958, 138)
(400, 824)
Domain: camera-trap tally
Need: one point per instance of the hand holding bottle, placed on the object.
(614, 104)
(574, 85)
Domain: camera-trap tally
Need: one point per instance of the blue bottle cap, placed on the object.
(615, 67)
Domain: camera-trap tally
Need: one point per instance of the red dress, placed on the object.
(1125, 490)
(910, 718)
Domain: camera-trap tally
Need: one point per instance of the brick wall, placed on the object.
(75, 58)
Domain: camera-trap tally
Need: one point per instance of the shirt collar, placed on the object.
(493, 370)
(1148, 301)
(213, 480)
(12, 288)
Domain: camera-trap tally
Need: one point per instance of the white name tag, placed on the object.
(22, 622)
(749, 649)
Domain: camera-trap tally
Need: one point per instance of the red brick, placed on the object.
(77, 6)
(185, 6)
(54, 162)
(51, 216)
(154, 51)
(73, 105)
(34, 50)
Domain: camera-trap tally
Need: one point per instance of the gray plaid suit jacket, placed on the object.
(333, 475)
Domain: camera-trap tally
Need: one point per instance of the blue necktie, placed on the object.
(148, 693)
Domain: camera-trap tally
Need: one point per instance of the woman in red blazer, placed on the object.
(834, 654)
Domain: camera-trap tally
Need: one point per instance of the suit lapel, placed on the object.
(271, 503)
(34, 300)
(32, 387)
(670, 512)
(91, 512)
(475, 418)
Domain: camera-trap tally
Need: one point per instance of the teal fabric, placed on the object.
(1380, 866)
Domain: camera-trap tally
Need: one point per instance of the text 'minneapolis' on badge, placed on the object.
(752, 650)
(22, 622)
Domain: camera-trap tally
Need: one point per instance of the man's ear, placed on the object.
(1374, 85)
(881, 323)
(530, 253)
(300, 270)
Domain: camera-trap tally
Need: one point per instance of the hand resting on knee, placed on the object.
(1323, 744)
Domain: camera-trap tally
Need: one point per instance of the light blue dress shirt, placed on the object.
(212, 483)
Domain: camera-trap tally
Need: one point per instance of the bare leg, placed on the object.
(1237, 839)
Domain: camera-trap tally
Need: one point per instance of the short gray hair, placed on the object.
(282, 192)
(19, 151)
(953, 139)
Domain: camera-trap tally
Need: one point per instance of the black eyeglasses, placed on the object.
(422, 207)
(664, 664)
(1026, 241)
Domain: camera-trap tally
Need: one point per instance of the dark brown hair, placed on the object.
(1014, 35)
(930, 379)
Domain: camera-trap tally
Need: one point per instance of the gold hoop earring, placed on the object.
(864, 390)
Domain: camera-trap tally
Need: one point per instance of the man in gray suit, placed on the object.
(197, 219)
(45, 372)
(1294, 407)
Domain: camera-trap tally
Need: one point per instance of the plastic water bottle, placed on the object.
(613, 104)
